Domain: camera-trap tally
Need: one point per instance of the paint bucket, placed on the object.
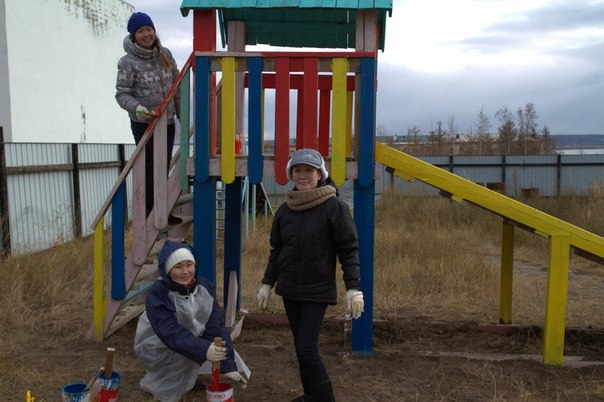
(107, 389)
(238, 143)
(75, 392)
(222, 393)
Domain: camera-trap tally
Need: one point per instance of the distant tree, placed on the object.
(530, 120)
(526, 120)
(438, 138)
(482, 141)
(547, 142)
(507, 130)
(452, 127)
(413, 134)
(482, 123)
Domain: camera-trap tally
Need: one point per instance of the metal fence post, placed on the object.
(4, 219)
(77, 202)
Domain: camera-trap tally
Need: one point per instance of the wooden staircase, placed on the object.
(140, 277)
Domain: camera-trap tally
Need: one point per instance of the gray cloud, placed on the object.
(568, 91)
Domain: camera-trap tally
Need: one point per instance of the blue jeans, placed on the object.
(305, 320)
(138, 129)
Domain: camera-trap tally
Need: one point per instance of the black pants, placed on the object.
(138, 129)
(305, 320)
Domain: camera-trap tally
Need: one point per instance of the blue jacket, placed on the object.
(171, 328)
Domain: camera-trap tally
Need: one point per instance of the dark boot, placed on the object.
(323, 392)
(304, 398)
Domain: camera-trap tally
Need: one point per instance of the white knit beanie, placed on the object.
(178, 255)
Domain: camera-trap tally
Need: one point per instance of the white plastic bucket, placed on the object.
(224, 393)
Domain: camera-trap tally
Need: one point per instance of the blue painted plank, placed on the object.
(364, 217)
(204, 228)
(118, 277)
(255, 160)
(202, 118)
(367, 122)
(232, 237)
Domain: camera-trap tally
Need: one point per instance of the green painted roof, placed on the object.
(295, 23)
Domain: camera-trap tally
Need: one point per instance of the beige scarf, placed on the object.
(303, 200)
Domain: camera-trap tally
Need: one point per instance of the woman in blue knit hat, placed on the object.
(145, 75)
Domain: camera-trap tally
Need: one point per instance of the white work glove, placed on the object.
(354, 303)
(264, 295)
(143, 113)
(235, 376)
(216, 353)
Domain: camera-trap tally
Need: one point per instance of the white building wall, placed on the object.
(4, 88)
(62, 66)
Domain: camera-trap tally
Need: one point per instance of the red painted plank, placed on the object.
(297, 81)
(324, 109)
(311, 87)
(281, 119)
(300, 120)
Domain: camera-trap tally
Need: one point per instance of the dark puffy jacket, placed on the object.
(162, 316)
(304, 247)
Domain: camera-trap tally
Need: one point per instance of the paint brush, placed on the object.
(94, 377)
(216, 366)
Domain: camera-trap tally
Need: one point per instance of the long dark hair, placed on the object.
(162, 56)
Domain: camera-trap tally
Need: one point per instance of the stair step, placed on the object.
(148, 272)
(140, 289)
(127, 313)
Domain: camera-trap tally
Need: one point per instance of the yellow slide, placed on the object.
(563, 236)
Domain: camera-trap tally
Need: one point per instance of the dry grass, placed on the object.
(433, 258)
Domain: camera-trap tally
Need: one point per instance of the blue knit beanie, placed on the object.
(138, 20)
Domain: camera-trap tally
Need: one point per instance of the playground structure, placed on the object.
(336, 92)
(335, 95)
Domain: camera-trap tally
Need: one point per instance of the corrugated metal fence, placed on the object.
(51, 192)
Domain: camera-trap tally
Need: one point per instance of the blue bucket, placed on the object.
(75, 392)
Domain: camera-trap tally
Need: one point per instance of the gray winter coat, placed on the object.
(142, 79)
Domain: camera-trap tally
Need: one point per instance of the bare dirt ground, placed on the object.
(414, 359)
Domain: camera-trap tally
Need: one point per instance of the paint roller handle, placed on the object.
(218, 342)
(108, 363)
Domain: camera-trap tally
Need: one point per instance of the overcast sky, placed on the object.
(448, 59)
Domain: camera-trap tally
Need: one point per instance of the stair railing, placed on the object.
(144, 229)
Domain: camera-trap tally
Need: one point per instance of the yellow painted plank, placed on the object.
(338, 121)
(97, 290)
(227, 159)
(506, 274)
(555, 309)
(349, 105)
(543, 224)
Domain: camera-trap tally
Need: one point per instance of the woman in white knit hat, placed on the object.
(175, 334)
